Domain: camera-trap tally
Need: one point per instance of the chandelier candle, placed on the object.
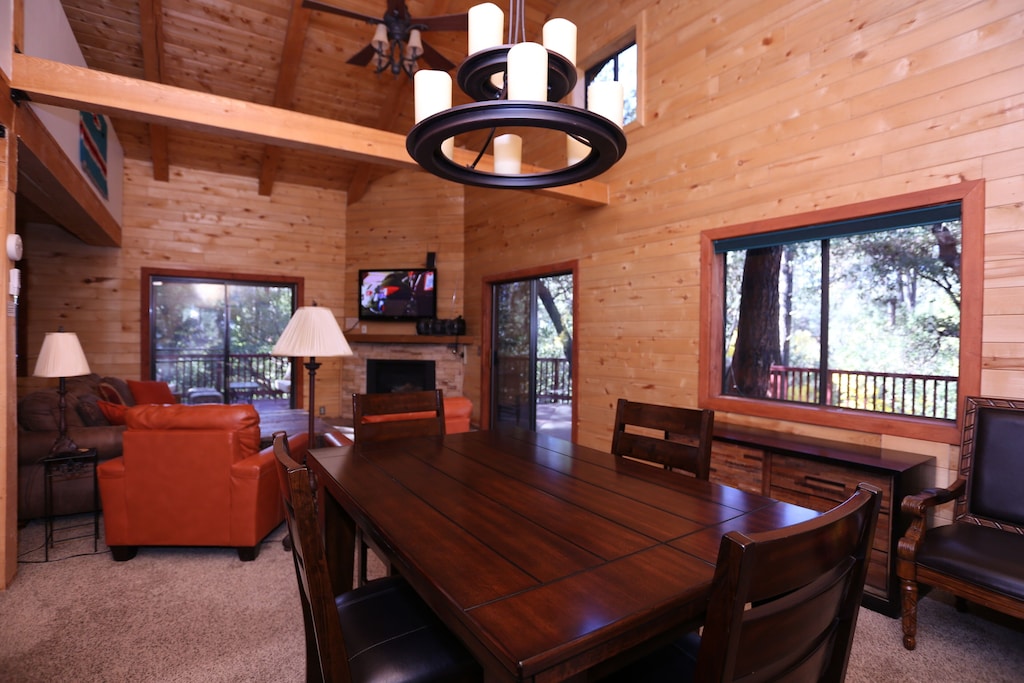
(508, 154)
(433, 94)
(560, 37)
(485, 26)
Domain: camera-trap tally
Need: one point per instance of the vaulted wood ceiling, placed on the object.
(271, 52)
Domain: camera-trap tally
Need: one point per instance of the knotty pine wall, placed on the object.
(760, 109)
(197, 221)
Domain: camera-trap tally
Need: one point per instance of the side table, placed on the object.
(63, 467)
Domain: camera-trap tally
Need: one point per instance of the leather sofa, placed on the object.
(191, 475)
(87, 427)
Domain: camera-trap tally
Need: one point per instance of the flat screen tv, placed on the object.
(405, 294)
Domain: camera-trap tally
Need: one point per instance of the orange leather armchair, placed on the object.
(191, 475)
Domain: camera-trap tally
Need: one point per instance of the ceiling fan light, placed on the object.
(414, 48)
(380, 39)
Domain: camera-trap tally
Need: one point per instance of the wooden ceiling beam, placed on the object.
(284, 93)
(75, 87)
(151, 20)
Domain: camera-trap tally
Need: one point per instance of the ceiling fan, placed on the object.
(397, 44)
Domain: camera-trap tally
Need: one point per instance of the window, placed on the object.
(209, 337)
(862, 313)
(621, 67)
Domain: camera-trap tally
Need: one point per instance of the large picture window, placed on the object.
(861, 314)
(209, 336)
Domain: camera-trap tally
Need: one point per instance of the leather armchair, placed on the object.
(980, 556)
(190, 476)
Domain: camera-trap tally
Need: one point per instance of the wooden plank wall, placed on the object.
(198, 221)
(762, 109)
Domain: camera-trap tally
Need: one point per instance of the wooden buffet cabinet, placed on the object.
(818, 474)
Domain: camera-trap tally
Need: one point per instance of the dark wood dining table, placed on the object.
(549, 560)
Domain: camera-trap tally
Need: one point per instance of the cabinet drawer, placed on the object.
(819, 480)
(820, 486)
(741, 467)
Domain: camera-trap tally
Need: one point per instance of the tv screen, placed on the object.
(398, 294)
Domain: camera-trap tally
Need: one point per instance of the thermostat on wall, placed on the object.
(14, 248)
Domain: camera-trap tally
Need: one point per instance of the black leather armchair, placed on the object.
(980, 556)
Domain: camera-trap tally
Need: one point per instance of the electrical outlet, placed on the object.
(323, 410)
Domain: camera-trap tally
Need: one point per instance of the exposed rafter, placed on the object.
(151, 24)
(284, 93)
(63, 85)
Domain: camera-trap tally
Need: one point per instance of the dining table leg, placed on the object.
(339, 544)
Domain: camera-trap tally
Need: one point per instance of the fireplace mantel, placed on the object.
(407, 339)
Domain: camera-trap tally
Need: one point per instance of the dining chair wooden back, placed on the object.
(396, 415)
(682, 440)
(381, 631)
(783, 603)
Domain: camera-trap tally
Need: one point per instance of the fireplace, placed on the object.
(387, 376)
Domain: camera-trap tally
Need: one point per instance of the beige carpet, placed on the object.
(176, 614)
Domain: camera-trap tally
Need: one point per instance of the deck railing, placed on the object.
(931, 396)
(247, 377)
(238, 378)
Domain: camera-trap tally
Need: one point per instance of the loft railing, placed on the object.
(931, 396)
(237, 378)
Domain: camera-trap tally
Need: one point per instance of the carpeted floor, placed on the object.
(199, 614)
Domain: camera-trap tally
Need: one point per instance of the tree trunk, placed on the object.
(757, 336)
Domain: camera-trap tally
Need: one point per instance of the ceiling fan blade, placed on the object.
(333, 9)
(363, 57)
(444, 22)
(436, 60)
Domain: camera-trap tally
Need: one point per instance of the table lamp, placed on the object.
(61, 356)
(312, 331)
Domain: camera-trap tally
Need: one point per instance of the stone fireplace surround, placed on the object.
(449, 370)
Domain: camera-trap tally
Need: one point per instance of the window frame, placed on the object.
(145, 317)
(971, 194)
(635, 35)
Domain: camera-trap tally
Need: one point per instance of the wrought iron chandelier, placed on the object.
(515, 84)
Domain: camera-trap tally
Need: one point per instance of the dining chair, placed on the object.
(683, 441)
(380, 631)
(783, 603)
(396, 415)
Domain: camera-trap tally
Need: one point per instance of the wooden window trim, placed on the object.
(971, 194)
(147, 275)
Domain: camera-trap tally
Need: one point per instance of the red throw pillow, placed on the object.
(114, 412)
(150, 392)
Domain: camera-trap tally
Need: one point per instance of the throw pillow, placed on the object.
(90, 412)
(114, 412)
(115, 390)
(150, 392)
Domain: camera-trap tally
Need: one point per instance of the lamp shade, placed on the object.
(312, 331)
(61, 356)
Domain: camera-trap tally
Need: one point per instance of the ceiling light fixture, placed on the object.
(515, 85)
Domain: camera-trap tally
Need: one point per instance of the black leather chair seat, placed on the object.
(675, 661)
(392, 635)
(987, 557)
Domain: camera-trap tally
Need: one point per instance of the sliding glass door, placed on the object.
(210, 339)
(531, 343)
